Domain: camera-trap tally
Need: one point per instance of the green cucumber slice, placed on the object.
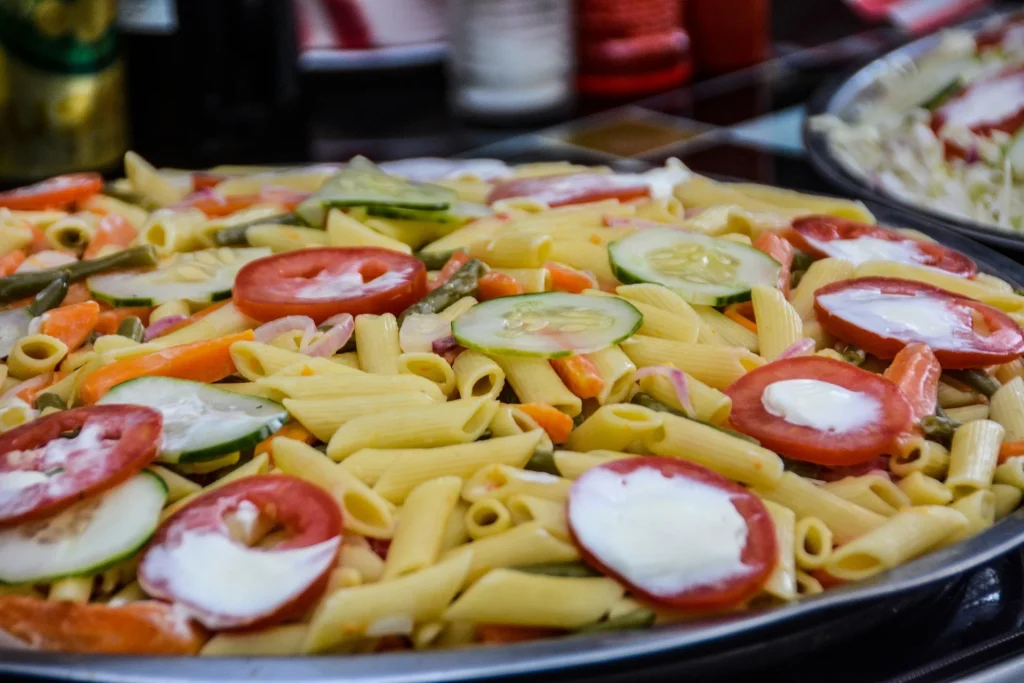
(943, 94)
(701, 269)
(457, 213)
(361, 183)
(201, 422)
(201, 276)
(546, 325)
(86, 538)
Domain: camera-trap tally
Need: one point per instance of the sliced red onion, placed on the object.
(420, 330)
(444, 345)
(801, 348)
(678, 380)
(275, 328)
(332, 340)
(340, 319)
(971, 154)
(161, 325)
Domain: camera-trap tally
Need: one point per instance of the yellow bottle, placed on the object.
(61, 87)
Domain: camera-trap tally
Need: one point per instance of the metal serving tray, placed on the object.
(841, 97)
(691, 648)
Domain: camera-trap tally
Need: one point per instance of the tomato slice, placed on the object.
(204, 180)
(882, 315)
(857, 242)
(1010, 30)
(57, 460)
(326, 281)
(988, 104)
(194, 561)
(139, 628)
(674, 532)
(850, 415)
(56, 193)
(576, 188)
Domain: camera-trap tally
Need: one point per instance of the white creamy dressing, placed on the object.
(820, 405)
(663, 534)
(917, 317)
(187, 418)
(339, 285)
(986, 103)
(864, 249)
(16, 480)
(218, 578)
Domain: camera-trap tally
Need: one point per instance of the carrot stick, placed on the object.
(500, 634)
(1010, 449)
(113, 229)
(110, 319)
(732, 312)
(202, 361)
(580, 375)
(455, 261)
(195, 317)
(30, 388)
(39, 240)
(10, 261)
(782, 251)
(77, 293)
(557, 424)
(291, 430)
(566, 279)
(494, 285)
(916, 372)
(71, 324)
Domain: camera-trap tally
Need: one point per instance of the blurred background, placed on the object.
(193, 83)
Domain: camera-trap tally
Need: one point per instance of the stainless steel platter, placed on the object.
(842, 98)
(702, 645)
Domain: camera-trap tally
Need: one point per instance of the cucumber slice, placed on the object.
(88, 537)
(458, 213)
(547, 325)
(201, 422)
(200, 276)
(13, 326)
(701, 269)
(361, 183)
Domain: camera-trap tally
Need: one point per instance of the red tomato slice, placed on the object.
(882, 315)
(577, 188)
(802, 442)
(194, 561)
(326, 281)
(49, 471)
(204, 180)
(1012, 29)
(628, 491)
(55, 193)
(859, 242)
(993, 103)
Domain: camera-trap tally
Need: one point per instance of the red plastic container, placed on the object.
(630, 47)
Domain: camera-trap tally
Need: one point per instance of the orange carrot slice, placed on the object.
(580, 375)
(71, 324)
(916, 372)
(202, 361)
(557, 424)
(494, 285)
(734, 312)
(292, 430)
(111, 318)
(455, 261)
(1010, 449)
(10, 261)
(113, 229)
(566, 279)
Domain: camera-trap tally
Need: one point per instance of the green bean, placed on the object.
(20, 285)
(978, 380)
(575, 570)
(463, 283)
(234, 236)
(939, 429)
(132, 328)
(130, 197)
(50, 400)
(434, 260)
(801, 260)
(853, 355)
(651, 403)
(805, 469)
(51, 296)
(543, 460)
(638, 618)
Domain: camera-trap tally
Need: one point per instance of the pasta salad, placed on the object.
(354, 409)
(944, 132)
